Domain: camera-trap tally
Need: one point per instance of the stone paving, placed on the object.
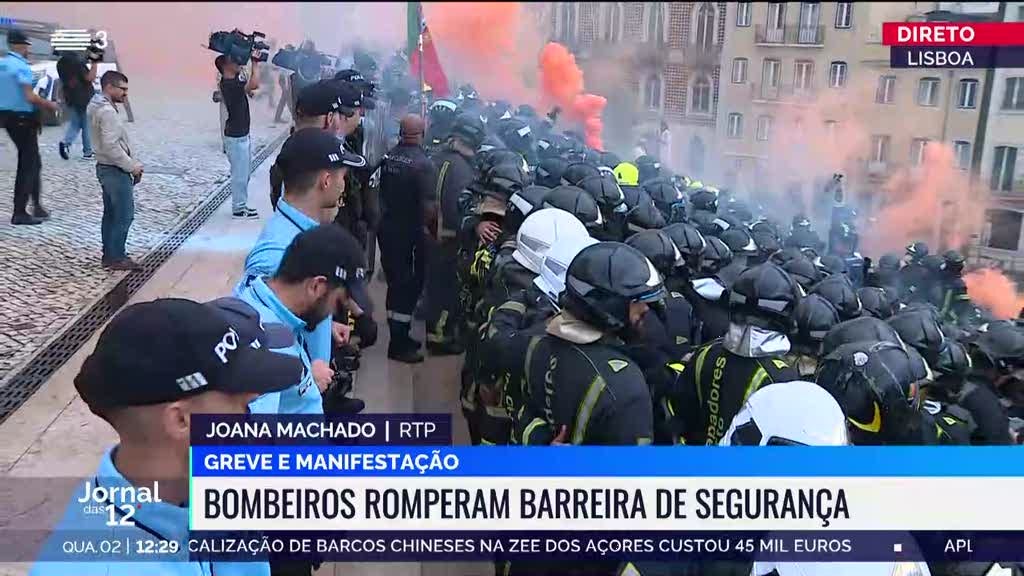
(51, 273)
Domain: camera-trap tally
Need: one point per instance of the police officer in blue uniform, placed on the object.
(18, 115)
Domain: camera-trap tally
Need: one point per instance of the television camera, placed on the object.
(239, 47)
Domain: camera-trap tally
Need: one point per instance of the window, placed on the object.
(880, 148)
(831, 127)
(764, 128)
(837, 74)
(743, 11)
(776, 16)
(1005, 226)
(1020, 13)
(810, 13)
(1013, 98)
(962, 150)
(771, 73)
(886, 89)
(844, 14)
(928, 92)
(917, 148)
(739, 70)
(656, 23)
(967, 94)
(1003, 166)
(705, 27)
(652, 92)
(701, 98)
(735, 128)
(612, 22)
(803, 71)
(568, 20)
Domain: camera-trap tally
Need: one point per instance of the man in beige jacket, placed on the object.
(116, 168)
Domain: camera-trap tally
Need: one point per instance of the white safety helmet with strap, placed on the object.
(551, 279)
(794, 413)
(540, 231)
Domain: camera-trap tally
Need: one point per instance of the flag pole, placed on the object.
(423, 94)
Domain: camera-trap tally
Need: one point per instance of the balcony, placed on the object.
(783, 94)
(877, 168)
(810, 36)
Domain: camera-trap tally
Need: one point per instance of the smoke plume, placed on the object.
(562, 85)
(992, 289)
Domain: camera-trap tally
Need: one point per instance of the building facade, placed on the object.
(657, 63)
(807, 91)
(1002, 166)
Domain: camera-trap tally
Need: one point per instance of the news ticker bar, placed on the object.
(554, 545)
(352, 430)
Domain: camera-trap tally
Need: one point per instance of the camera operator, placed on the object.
(235, 90)
(296, 81)
(18, 114)
(76, 80)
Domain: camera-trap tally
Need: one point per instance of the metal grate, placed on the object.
(38, 370)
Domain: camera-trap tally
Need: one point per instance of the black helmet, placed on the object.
(716, 255)
(840, 293)
(933, 262)
(917, 250)
(878, 386)
(921, 330)
(889, 262)
(786, 254)
(764, 296)
(801, 221)
(604, 279)
(705, 200)
(518, 136)
(831, 265)
(813, 317)
(877, 302)
(658, 248)
(738, 241)
(609, 160)
(605, 191)
(953, 360)
(767, 243)
(497, 111)
(667, 198)
(441, 116)
(863, 329)
(504, 180)
(521, 203)
(577, 172)
(469, 129)
(546, 147)
(648, 167)
(803, 271)
(487, 160)
(688, 241)
(954, 262)
(739, 210)
(576, 202)
(999, 345)
(765, 225)
(644, 217)
(526, 111)
(550, 170)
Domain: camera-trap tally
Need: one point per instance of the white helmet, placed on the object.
(788, 413)
(551, 279)
(540, 231)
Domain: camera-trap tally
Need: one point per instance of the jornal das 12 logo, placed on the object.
(118, 503)
(65, 40)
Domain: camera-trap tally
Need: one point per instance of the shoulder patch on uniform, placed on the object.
(617, 365)
(681, 340)
(779, 364)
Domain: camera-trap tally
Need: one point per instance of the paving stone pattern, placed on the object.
(51, 273)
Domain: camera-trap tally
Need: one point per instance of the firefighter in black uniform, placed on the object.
(407, 185)
(711, 388)
(951, 293)
(705, 290)
(455, 172)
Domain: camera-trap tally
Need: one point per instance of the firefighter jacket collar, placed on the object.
(567, 327)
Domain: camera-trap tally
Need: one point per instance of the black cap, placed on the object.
(365, 87)
(312, 149)
(170, 349)
(327, 250)
(17, 37)
(320, 99)
(349, 95)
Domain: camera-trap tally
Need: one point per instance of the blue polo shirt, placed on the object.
(265, 257)
(304, 396)
(15, 74)
(158, 522)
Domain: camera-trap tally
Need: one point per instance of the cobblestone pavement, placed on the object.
(51, 273)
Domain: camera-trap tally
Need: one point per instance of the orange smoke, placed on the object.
(484, 43)
(993, 290)
(561, 82)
